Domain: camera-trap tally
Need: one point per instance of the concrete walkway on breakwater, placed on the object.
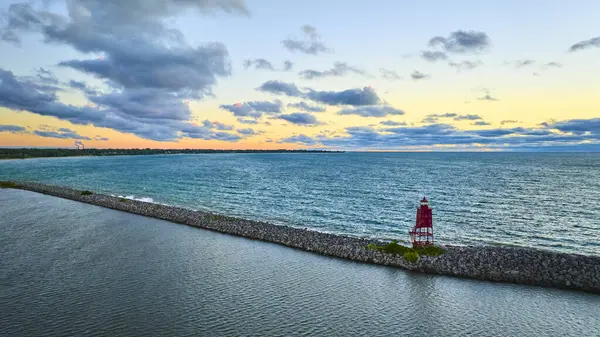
(501, 264)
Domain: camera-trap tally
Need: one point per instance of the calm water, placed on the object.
(71, 269)
(546, 200)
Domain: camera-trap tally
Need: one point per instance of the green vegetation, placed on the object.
(123, 200)
(409, 254)
(6, 153)
(9, 184)
(86, 192)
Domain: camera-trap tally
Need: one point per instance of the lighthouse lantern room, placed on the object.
(422, 234)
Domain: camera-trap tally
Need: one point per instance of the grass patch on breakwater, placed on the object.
(123, 200)
(408, 253)
(86, 192)
(9, 184)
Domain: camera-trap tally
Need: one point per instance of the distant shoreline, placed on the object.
(500, 264)
(25, 153)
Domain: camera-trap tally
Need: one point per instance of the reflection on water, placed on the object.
(74, 269)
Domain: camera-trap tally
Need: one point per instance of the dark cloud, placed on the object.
(339, 69)
(149, 66)
(487, 97)
(82, 86)
(586, 44)
(356, 97)
(578, 126)
(254, 108)
(12, 128)
(62, 133)
(465, 65)
(217, 125)
(258, 64)
(311, 44)
(433, 56)
(372, 111)
(281, 88)
(100, 138)
(306, 107)
(462, 42)
(508, 121)
(300, 118)
(480, 123)
(416, 75)
(389, 74)
(148, 113)
(392, 123)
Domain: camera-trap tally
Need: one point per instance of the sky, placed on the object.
(264, 74)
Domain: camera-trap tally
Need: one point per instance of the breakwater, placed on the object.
(501, 264)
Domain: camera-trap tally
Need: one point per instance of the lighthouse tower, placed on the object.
(422, 234)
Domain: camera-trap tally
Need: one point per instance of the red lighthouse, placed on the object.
(422, 234)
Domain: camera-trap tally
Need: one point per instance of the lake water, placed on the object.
(73, 269)
(546, 200)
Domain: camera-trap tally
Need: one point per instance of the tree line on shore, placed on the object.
(23, 153)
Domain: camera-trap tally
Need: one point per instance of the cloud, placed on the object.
(433, 118)
(280, 88)
(258, 64)
(372, 111)
(311, 43)
(467, 117)
(436, 135)
(553, 65)
(586, 44)
(300, 118)
(480, 123)
(339, 69)
(62, 133)
(433, 56)
(523, 63)
(149, 66)
(288, 65)
(247, 121)
(508, 121)
(217, 125)
(253, 108)
(578, 126)
(148, 113)
(392, 123)
(82, 86)
(299, 139)
(462, 42)
(248, 132)
(487, 97)
(100, 138)
(356, 97)
(306, 107)
(389, 74)
(416, 75)
(12, 128)
(465, 65)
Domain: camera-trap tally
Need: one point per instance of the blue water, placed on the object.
(547, 200)
(72, 269)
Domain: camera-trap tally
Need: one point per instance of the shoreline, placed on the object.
(518, 265)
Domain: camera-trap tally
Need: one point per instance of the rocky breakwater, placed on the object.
(501, 264)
